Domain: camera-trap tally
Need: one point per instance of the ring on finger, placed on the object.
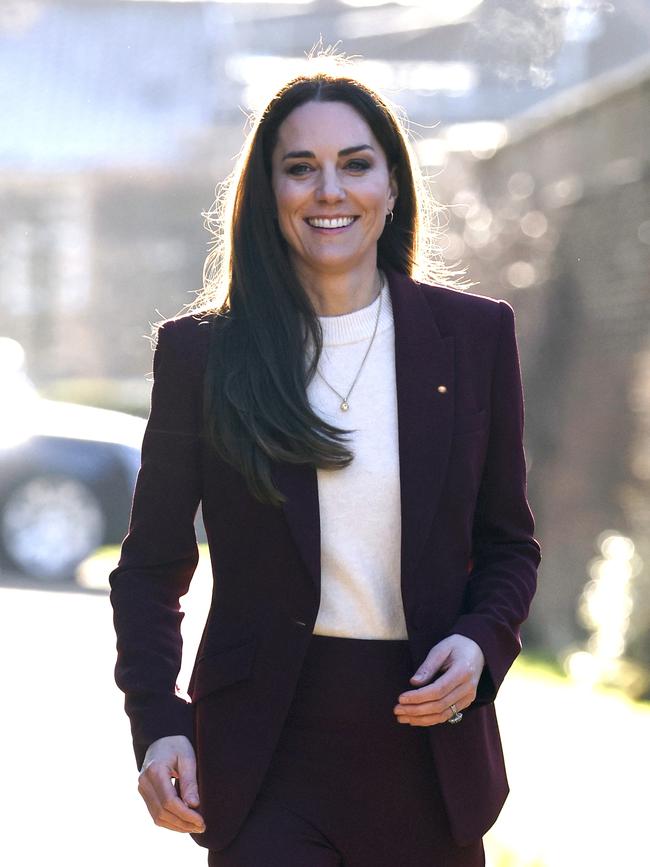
(456, 715)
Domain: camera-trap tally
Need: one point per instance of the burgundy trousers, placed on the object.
(348, 785)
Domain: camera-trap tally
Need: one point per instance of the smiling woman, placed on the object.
(370, 580)
(326, 188)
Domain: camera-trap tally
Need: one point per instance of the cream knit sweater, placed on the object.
(360, 517)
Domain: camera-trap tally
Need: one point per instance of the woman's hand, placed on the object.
(166, 758)
(462, 661)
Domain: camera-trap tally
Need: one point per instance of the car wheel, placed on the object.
(49, 524)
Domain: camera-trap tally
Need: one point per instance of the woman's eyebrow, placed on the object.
(344, 153)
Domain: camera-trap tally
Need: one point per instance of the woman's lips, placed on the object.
(335, 231)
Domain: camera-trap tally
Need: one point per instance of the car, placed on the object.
(67, 475)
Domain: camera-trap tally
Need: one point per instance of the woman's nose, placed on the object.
(329, 187)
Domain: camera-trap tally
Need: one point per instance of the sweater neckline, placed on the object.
(358, 326)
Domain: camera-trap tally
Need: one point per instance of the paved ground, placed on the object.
(578, 762)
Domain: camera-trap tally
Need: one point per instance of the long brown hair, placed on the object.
(256, 409)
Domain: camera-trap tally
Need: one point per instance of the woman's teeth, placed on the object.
(339, 223)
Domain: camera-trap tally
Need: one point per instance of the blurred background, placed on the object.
(119, 120)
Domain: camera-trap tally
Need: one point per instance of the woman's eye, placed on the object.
(293, 169)
(358, 165)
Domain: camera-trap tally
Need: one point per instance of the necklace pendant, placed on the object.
(345, 406)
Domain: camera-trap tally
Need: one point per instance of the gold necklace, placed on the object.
(345, 405)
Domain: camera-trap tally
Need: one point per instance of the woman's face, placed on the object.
(328, 164)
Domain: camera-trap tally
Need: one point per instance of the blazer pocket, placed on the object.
(220, 668)
(470, 422)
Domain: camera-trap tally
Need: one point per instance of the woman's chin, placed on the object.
(333, 262)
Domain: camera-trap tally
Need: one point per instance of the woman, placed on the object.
(355, 439)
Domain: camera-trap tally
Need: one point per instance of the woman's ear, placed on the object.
(394, 189)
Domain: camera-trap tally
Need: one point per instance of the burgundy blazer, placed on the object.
(468, 557)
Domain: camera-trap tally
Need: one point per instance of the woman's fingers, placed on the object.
(166, 758)
(453, 659)
(456, 664)
(169, 819)
(455, 683)
(464, 695)
(431, 719)
(164, 805)
(188, 789)
(166, 819)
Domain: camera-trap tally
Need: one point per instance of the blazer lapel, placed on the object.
(424, 370)
(424, 367)
(299, 484)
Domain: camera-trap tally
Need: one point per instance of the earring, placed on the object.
(390, 214)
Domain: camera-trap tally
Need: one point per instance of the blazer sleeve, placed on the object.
(505, 554)
(159, 554)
